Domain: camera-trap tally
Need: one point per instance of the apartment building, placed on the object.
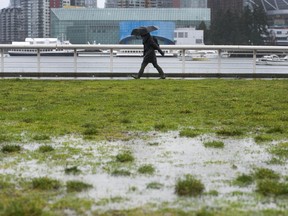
(139, 4)
(11, 25)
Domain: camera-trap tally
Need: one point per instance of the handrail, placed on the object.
(182, 67)
(122, 46)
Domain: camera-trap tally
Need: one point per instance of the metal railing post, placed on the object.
(38, 63)
(111, 60)
(183, 60)
(254, 61)
(2, 60)
(75, 62)
(219, 62)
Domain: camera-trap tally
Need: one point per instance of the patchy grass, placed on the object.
(230, 131)
(146, 169)
(114, 110)
(154, 185)
(280, 150)
(72, 170)
(45, 183)
(265, 173)
(11, 148)
(45, 148)
(41, 137)
(121, 172)
(125, 156)
(189, 133)
(189, 186)
(263, 138)
(269, 187)
(244, 180)
(77, 186)
(214, 144)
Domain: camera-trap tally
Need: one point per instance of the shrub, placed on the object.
(189, 186)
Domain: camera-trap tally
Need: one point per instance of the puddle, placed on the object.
(172, 157)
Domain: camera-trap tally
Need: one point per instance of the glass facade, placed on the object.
(82, 25)
(165, 32)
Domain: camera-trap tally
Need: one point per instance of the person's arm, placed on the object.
(156, 47)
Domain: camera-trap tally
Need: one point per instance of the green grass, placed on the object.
(264, 173)
(189, 133)
(45, 183)
(268, 187)
(72, 170)
(11, 148)
(189, 186)
(38, 110)
(244, 180)
(214, 144)
(108, 109)
(280, 150)
(125, 156)
(77, 186)
(146, 169)
(45, 149)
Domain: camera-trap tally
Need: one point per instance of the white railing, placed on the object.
(109, 63)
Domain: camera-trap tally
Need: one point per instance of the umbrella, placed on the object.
(142, 30)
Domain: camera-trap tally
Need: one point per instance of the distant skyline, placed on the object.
(5, 3)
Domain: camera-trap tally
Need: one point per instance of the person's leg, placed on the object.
(159, 69)
(141, 71)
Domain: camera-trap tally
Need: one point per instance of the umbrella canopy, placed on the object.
(142, 30)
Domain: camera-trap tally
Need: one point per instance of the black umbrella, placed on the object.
(142, 30)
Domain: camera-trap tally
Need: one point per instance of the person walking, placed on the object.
(149, 56)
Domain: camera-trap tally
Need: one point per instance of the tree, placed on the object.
(230, 28)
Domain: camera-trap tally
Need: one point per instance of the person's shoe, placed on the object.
(135, 76)
(163, 77)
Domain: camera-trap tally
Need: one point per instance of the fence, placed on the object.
(97, 61)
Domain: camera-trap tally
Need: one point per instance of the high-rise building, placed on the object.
(91, 3)
(15, 3)
(11, 25)
(55, 3)
(193, 3)
(79, 3)
(36, 16)
(139, 3)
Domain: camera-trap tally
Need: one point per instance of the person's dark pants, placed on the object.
(155, 64)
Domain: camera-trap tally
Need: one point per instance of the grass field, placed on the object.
(33, 113)
(110, 109)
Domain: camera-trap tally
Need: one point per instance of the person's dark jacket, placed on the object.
(149, 47)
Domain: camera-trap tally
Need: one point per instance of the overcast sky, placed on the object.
(5, 3)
